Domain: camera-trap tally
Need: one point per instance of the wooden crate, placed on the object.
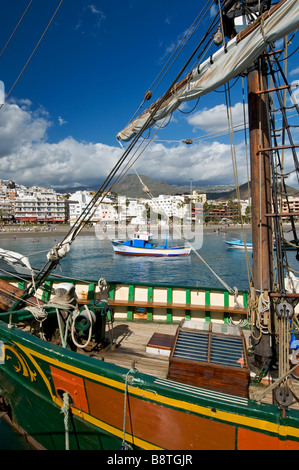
(211, 359)
(160, 343)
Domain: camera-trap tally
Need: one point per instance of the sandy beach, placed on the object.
(60, 231)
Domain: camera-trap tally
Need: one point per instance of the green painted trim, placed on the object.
(226, 304)
(207, 302)
(47, 291)
(173, 286)
(150, 296)
(131, 292)
(21, 285)
(245, 299)
(188, 301)
(169, 301)
(149, 314)
(169, 294)
(111, 292)
(91, 291)
(169, 315)
(114, 283)
(130, 310)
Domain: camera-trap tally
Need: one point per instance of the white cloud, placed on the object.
(295, 71)
(204, 163)
(94, 9)
(90, 19)
(215, 119)
(61, 121)
(213, 11)
(28, 158)
(19, 126)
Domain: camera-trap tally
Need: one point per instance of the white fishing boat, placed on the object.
(141, 245)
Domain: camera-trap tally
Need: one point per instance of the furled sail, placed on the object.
(228, 62)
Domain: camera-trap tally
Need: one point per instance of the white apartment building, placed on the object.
(131, 210)
(6, 209)
(49, 208)
(104, 212)
(293, 203)
(198, 197)
(169, 206)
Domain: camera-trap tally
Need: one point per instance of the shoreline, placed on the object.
(61, 231)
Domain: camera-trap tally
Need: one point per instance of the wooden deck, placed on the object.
(131, 339)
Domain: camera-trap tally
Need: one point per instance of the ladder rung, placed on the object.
(283, 214)
(269, 90)
(281, 147)
(286, 294)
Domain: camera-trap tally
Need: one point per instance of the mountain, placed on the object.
(131, 186)
(245, 193)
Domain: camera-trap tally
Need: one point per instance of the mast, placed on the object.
(259, 136)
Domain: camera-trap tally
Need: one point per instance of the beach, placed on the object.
(59, 231)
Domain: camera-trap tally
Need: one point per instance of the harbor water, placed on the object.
(91, 258)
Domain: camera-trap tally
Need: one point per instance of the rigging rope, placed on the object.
(15, 29)
(187, 36)
(100, 194)
(125, 445)
(235, 170)
(227, 287)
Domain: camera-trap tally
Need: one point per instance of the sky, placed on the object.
(85, 81)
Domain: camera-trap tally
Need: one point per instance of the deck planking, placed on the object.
(131, 339)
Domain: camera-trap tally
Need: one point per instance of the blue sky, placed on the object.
(86, 80)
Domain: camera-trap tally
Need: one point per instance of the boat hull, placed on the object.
(122, 249)
(34, 374)
(239, 245)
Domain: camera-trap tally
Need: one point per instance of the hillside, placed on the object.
(130, 186)
(245, 192)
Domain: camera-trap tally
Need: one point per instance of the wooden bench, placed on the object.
(180, 306)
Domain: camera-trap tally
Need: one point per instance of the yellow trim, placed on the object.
(91, 419)
(234, 419)
(115, 431)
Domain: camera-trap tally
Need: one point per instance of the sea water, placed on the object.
(214, 265)
(91, 258)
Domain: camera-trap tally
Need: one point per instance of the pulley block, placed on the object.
(284, 310)
(284, 396)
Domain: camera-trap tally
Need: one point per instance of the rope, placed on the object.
(65, 409)
(182, 44)
(124, 444)
(39, 314)
(235, 169)
(260, 395)
(82, 346)
(18, 24)
(235, 290)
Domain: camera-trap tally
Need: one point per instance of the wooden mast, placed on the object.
(261, 202)
(260, 180)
